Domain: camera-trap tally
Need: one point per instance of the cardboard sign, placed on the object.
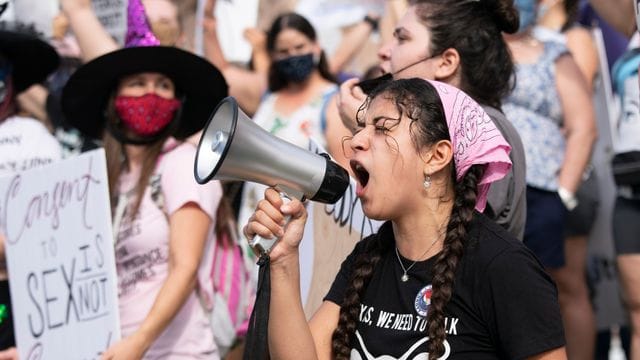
(56, 221)
(7, 11)
(113, 16)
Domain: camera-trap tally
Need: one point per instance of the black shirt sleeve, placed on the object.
(520, 305)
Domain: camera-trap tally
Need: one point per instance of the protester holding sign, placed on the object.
(451, 43)
(24, 142)
(142, 101)
(437, 267)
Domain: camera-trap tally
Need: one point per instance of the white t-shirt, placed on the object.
(24, 144)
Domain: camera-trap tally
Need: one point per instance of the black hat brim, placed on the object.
(85, 96)
(32, 59)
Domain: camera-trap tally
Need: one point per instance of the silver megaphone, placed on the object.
(233, 147)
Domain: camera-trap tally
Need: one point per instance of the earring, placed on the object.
(427, 182)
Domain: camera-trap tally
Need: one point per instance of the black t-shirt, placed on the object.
(504, 305)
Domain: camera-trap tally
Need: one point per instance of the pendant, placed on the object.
(404, 278)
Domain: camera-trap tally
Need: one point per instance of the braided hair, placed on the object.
(419, 102)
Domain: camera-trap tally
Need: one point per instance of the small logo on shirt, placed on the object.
(423, 301)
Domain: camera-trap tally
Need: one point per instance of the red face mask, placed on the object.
(146, 115)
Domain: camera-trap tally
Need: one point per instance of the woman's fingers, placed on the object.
(294, 208)
(274, 227)
(267, 221)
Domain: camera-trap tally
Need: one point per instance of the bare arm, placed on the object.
(583, 48)
(323, 324)
(34, 101)
(188, 228)
(244, 85)
(260, 56)
(9, 354)
(290, 336)
(92, 37)
(579, 123)
(353, 39)
(211, 45)
(618, 13)
(555, 354)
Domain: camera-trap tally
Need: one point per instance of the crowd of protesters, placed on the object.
(468, 125)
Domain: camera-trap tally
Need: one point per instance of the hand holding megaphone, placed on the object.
(278, 218)
(233, 147)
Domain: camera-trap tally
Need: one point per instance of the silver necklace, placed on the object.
(404, 276)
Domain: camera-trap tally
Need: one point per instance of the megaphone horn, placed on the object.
(233, 147)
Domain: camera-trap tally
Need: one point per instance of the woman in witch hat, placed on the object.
(142, 101)
(25, 60)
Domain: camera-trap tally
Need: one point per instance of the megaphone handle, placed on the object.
(263, 246)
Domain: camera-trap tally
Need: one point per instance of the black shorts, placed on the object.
(544, 230)
(580, 220)
(626, 226)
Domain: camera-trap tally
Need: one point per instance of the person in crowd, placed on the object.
(439, 279)
(556, 21)
(451, 42)
(25, 60)
(142, 101)
(551, 108)
(43, 101)
(299, 82)
(626, 173)
(300, 86)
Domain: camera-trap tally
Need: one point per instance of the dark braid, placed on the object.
(350, 309)
(466, 191)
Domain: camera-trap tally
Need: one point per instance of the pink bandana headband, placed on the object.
(475, 139)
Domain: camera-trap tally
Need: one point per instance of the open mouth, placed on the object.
(362, 175)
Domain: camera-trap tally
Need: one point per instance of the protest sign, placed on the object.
(38, 13)
(7, 11)
(56, 221)
(113, 16)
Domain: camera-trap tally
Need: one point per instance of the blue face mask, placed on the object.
(295, 68)
(527, 12)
